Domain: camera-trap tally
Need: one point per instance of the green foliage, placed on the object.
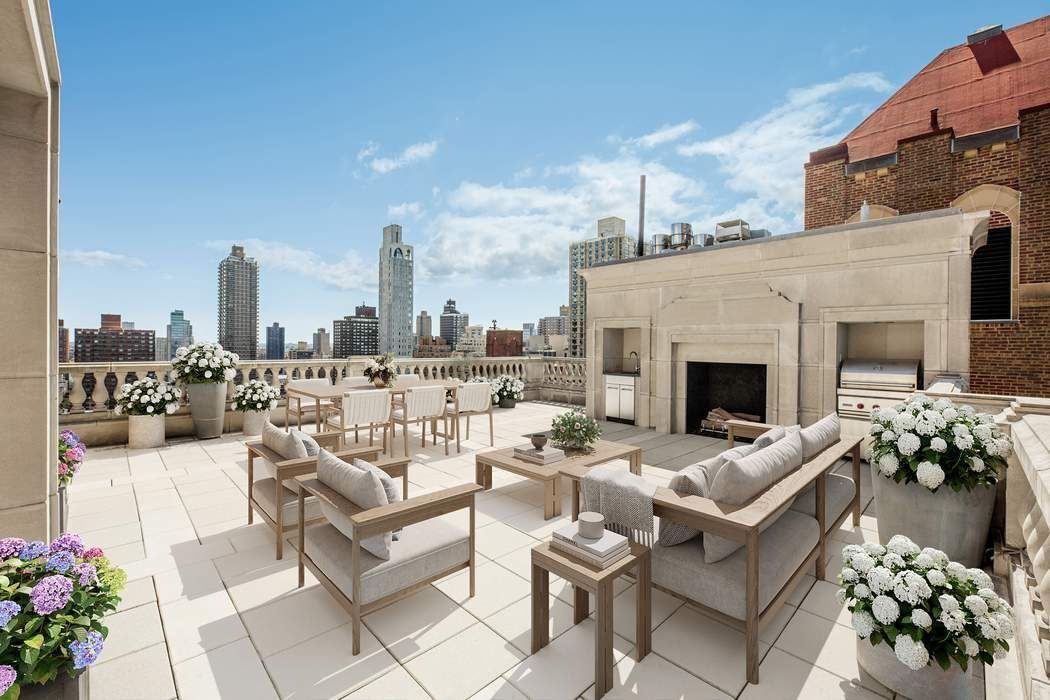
(574, 430)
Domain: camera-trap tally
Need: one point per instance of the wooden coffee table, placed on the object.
(575, 465)
(599, 582)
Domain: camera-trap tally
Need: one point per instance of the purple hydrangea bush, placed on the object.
(70, 456)
(53, 599)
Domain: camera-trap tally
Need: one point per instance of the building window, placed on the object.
(990, 278)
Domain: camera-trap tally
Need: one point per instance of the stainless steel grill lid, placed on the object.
(880, 374)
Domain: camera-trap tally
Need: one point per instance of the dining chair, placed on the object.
(359, 408)
(471, 399)
(422, 404)
(294, 405)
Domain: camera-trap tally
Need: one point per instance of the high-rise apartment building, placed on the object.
(63, 341)
(275, 342)
(358, 334)
(111, 343)
(127, 325)
(452, 323)
(612, 243)
(239, 304)
(395, 293)
(322, 343)
(160, 349)
(180, 332)
(555, 325)
(527, 331)
(431, 346)
(471, 341)
(424, 325)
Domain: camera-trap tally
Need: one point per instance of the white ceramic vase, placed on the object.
(145, 431)
(254, 422)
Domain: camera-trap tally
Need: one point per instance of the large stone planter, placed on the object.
(62, 688)
(254, 422)
(145, 431)
(208, 408)
(931, 682)
(955, 522)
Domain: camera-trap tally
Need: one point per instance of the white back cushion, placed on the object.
(474, 397)
(424, 401)
(355, 381)
(366, 406)
(407, 378)
(307, 384)
(740, 480)
(820, 436)
(284, 444)
(361, 487)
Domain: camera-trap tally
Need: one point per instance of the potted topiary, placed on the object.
(70, 456)
(922, 620)
(934, 469)
(575, 431)
(145, 402)
(382, 371)
(255, 400)
(204, 369)
(53, 599)
(507, 391)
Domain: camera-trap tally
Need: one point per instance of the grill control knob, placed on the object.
(860, 405)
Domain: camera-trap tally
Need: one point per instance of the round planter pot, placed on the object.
(955, 522)
(145, 431)
(931, 682)
(208, 408)
(254, 422)
(507, 403)
(378, 383)
(62, 688)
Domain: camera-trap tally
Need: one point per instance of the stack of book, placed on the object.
(602, 552)
(547, 455)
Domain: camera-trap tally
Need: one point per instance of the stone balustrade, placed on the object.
(86, 391)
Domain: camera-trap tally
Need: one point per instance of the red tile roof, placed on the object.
(968, 100)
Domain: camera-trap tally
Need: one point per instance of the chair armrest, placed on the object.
(329, 440)
(290, 468)
(746, 429)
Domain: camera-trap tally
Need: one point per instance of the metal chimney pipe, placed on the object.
(641, 218)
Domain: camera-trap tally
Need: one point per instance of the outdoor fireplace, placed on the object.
(718, 391)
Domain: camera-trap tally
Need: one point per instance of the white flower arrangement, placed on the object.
(204, 363)
(936, 443)
(256, 395)
(507, 387)
(147, 397)
(925, 606)
(382, 368)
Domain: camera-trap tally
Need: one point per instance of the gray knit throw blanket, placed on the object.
(625, 499)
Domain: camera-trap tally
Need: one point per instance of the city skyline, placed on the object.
(490, 192)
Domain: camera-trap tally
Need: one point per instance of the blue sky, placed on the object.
(494, 133)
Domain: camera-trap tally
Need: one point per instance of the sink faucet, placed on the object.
(637, 363)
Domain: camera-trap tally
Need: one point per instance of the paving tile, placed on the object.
(323, 667)
(108, 537)
(193, 626)
(625, 608)
(821, 601)
(499, 689)
(394, 684)
(136, 676)
(495, 588)
(256, 588)
(782, 675)
(497, 539)
(655, 677)
(533, 524)
(161, 498)
(489, 656)
(189, 581)
(136, 593)
(132, 630)
(565, 667)
(125, 554)
(418, 623)
(231, 672)
(514, 623)
(291, 619)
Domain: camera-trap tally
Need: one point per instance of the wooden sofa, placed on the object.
(427, 549)
(747, 589)
(282, 488)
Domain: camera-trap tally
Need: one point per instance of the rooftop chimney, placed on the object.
(641, 218)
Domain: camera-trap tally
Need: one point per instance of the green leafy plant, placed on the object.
(574, 430)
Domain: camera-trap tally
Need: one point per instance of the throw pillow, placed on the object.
(740, 480)
(362, 488)
(769, 437)
(281, 442)
(691, 481)
(312, 448)
(392, 488)
(820, 436)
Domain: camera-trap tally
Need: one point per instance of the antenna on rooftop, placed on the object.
(641, 218)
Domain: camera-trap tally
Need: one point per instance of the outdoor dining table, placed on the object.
(334, 392)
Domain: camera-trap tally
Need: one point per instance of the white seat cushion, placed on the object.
(264, 493)
(424, 550)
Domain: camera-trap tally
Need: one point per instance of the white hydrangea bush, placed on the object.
(937, 443)
(146, 397)
(256, 395)
(204, 363)
(507, 387)
(923, 605)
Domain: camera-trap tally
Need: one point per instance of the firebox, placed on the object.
(718, 391)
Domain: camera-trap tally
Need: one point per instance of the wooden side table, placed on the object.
(588, 579)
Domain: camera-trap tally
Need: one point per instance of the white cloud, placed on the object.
(368, 150)
(412, 154)
(405, 210)
(348, 273)
(101, 258)
(764, 158)
(665, 134)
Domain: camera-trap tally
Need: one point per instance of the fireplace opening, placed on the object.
(718, 391)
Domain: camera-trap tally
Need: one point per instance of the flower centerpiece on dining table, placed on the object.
(575, 431)
(381, 370)
(53, 598)
(922, 620)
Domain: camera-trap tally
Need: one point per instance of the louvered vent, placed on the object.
(990, 278)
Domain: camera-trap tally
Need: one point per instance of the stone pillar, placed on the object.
(28, 258)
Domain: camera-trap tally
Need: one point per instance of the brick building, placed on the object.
(503, 343)
(112, 343)
(970, 130)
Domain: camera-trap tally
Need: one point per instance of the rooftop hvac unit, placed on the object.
(735, 230)
(760, 233)
(702, 240)
(681, 236)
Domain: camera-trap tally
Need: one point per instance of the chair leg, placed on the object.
(356, 438)
(404, 436)
(456, 428)
(445, 419)
(492, 434)
(468, 426)
(423, 432)
(371, 436)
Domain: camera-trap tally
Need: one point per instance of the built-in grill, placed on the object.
(867, 385)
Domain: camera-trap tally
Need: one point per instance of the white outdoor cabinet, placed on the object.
(619, 397)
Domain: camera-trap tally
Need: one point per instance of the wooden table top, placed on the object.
(334, 391)
(579, 572)
(574, 465)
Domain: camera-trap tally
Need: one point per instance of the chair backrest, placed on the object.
(361, 407)
(474, 396)
(307, 383)
(424, 401)
(407, 378)
(354, 381)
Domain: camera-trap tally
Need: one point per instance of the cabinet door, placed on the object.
(612, 401)
(627, 402)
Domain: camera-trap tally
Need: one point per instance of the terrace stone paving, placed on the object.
(209, 612)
